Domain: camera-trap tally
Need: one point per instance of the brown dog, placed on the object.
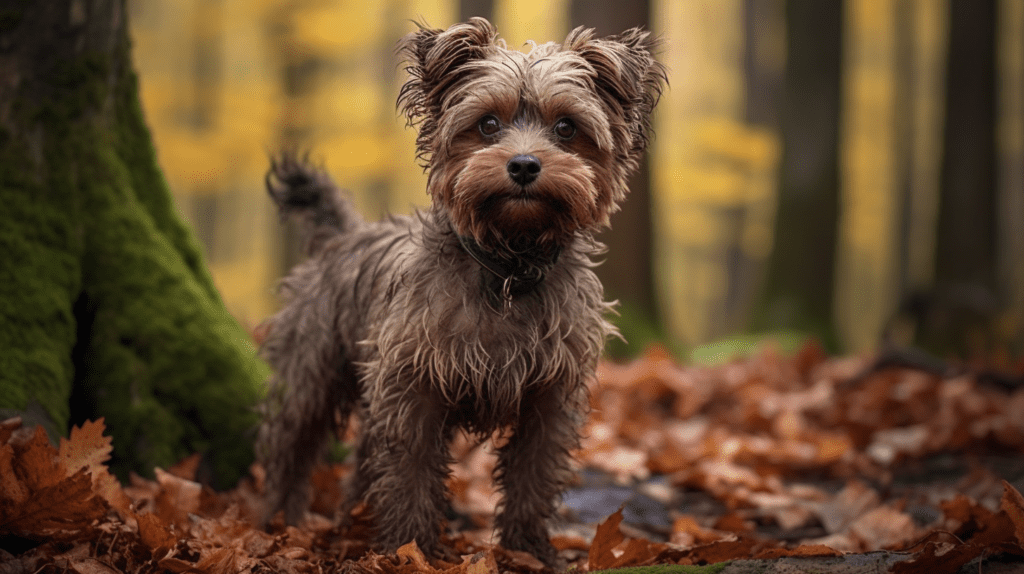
(481, 313)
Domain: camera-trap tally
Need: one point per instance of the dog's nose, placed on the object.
(523, 169)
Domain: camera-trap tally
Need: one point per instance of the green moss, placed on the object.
(38, 282)
(107, 302)
(744, 345)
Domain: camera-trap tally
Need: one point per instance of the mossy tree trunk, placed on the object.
(106, 307)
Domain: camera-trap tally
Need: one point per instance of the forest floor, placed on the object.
(772, 463)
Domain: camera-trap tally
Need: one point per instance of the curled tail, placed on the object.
(296, 186)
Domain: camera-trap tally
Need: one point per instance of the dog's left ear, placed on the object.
(436, 60)
(629, 79)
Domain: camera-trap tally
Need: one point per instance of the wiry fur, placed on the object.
(405, 323)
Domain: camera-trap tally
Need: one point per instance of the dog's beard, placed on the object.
(499, 213)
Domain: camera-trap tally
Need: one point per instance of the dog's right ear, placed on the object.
(436, 60)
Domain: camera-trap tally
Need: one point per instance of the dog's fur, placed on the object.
(481, 313)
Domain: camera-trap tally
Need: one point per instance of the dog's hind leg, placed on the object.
(311, 384)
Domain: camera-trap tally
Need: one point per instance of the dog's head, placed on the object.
(529, 147)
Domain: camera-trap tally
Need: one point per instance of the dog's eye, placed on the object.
(489, 125)
(564, 129)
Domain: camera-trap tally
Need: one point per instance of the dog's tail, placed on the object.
(296, 186)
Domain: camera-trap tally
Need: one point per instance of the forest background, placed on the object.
(849, 170)
(852, 170)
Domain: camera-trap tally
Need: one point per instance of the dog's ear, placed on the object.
(629, 79)
(436, 60)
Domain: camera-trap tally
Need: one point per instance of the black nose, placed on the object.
(523, 169)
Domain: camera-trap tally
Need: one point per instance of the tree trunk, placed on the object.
(958, 316)
(106, 306)
(627, 273)
(798, 290)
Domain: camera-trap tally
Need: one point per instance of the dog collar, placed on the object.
(513, 275)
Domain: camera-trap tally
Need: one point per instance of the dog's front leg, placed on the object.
(533, 469)
(406, 465)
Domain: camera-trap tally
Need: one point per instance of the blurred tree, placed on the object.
(966, 249)
(470, 8)
(798, 289)
(964, 299)
(106, 306)
(627, 273)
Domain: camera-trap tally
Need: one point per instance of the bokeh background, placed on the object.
(851, 170)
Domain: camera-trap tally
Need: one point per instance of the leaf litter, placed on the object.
(766, 458)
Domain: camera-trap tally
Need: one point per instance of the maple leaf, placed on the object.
(607, 537)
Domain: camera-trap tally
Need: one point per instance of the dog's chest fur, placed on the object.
(446, 334)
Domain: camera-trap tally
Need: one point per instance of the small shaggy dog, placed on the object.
(481, 313)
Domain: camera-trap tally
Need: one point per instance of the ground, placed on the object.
(764, 464)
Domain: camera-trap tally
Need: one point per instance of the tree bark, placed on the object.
(798, 290)
(627, 272)
(106, 306)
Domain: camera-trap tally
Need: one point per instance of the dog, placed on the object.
(480, 313)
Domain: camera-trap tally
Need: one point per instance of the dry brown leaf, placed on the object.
(938, 558)
(687, 532)
(884, 527)
(608, 536)
(86, 448)
(12, 491)
(853, 501)
(67, 505)
(635, 552)
(723, 550)
(177, 498)
(36, 462)
(479, 563)
(413, 554)
(1013, 505)
(7, 428)
(39, 497)
(88, 565)
(155, 533)
(803, 551)
(186, 468)
(518, 560)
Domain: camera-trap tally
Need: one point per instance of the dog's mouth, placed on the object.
(524, 194)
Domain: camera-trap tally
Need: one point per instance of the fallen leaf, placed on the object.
(884, 527)
(67, 505)
(480, 563)
(803, 551)
(608, 536)
(1013, 505)
(186, 468)
(86, 448)
(155, 533)
(412, 552)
